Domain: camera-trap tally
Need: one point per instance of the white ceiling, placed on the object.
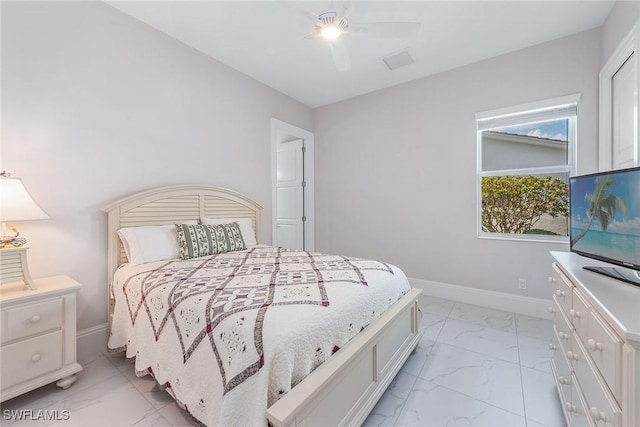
(265, 39)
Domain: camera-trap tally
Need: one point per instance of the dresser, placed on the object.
(596, 347)
(38, 335)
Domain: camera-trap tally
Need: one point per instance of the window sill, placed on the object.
(529, 238)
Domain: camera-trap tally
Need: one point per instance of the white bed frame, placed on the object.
(345, 388)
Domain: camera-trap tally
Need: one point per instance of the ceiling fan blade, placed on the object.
(347, 9)
(340, 56)
(385, 30)
(312, 35)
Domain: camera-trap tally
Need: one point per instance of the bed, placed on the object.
(261, 334)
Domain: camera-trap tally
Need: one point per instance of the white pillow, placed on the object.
(150, 243)
(246, 228)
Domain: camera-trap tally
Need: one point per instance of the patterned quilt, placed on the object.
(228, 334)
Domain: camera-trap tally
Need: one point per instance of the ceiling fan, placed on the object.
(332, 26)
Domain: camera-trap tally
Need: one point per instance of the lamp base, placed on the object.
(13, 266)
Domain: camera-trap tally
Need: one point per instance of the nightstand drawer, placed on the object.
(27, 320)
(31, 358)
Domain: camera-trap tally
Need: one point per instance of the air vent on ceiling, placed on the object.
(398, 60)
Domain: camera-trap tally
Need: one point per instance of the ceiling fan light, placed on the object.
(330, 33)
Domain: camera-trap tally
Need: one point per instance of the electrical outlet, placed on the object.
(522, 283)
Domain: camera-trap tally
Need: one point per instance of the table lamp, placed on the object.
(16, 205)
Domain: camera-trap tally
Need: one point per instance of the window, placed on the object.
(525, 157)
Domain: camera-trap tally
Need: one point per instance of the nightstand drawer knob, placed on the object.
(552, 280)
(561, 293)
(36, 357)
(574, 313)
(551, 310)
(35, 319)
(552, 347)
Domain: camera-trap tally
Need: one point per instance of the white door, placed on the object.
(619, 118)
(624, 98)
(289, 227)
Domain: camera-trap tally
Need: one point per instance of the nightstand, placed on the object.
(38, 335)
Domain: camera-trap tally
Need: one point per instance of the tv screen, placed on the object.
(605, 218)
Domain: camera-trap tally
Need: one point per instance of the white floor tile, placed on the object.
(390, 404)
(487, 317)
(534, 327)
(541, 398)
(476, 375)
(433, 405)
(436, 305)
(471, 336)
(535, 353)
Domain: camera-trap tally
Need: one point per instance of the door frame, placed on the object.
(283, 132)
(630, 45)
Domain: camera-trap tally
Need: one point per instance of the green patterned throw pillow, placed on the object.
(198, 240)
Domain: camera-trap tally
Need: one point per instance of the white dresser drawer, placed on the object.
(605, 348)
(27, 320)
(579, 410)
(601, 407)
(562, 370)
(31, 358)
(579, 314)
(562, 289)
(562, 325)
(564, 391)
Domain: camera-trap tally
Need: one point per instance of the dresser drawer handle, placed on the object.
(552, 347)
(597, 415)
(35, 319)
(561, 293)
(571, 355)
(574, 313)
(551, 310)
(563, 336)
(564, 381)
(593, 345)
(36, 357)
(569, 407)
(552, 279)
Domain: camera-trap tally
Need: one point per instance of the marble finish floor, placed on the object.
(473, 366)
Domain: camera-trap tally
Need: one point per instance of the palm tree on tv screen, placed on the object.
(602, 205)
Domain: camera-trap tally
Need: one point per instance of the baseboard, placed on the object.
(92, 343)
(520, 304)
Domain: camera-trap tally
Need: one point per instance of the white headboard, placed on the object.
(168, 205)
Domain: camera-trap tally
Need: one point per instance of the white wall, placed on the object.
(396, 169)
(617, 25)
(96, 105)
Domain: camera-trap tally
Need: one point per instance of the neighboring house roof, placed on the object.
(525, 139)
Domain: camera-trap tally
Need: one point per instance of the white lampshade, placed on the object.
(16, 204)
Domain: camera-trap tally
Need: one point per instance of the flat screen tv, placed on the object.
(605, 221)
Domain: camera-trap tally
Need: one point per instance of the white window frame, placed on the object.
(564, 107)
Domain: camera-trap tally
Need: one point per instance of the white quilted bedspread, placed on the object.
(231, 333)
